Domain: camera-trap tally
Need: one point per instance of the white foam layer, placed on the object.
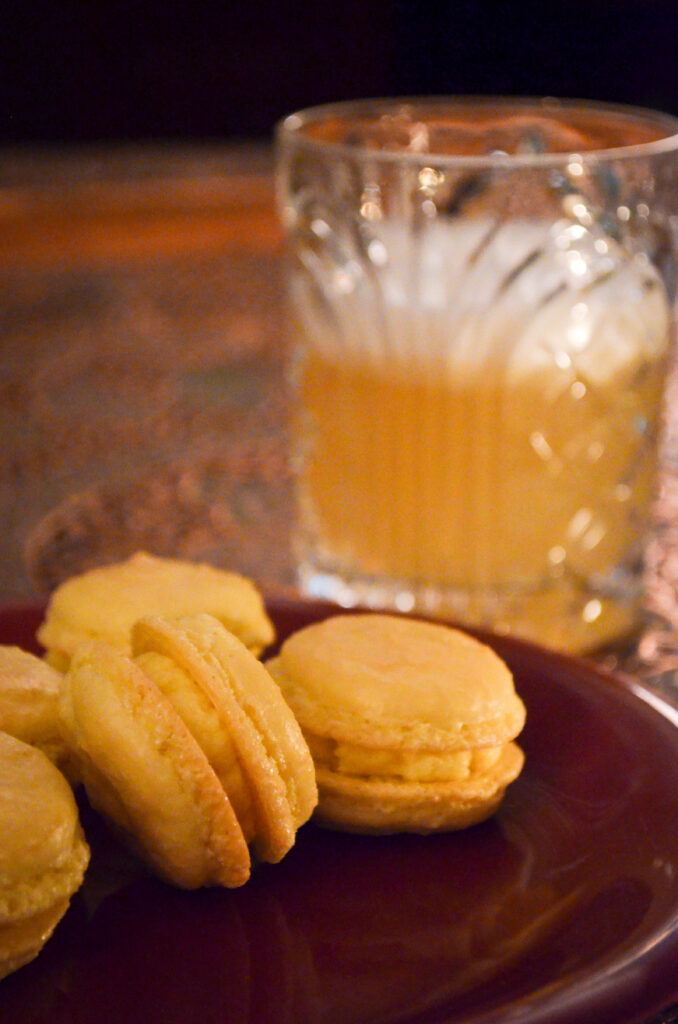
(520, 297)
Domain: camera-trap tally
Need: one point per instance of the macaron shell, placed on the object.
(43, 854)
(381, 805)
(203, 722)
(386, 681)
(273, 754)
(21, 941)
(29, 692)
(104, 602)
(143, 769)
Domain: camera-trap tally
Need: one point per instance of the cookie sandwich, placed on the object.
(411, 724)
(187, 746)
(29, 694)
(43, 852)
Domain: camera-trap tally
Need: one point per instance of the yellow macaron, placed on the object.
(411, 724)
(188, 747)
(236, 711)
(103, 604)
(145, 772)
(43, 853)
(29, 693)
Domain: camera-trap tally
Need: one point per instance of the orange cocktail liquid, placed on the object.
(477, 427)
(517, 499)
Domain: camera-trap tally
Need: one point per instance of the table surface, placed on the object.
(143, 402)
(141, 348)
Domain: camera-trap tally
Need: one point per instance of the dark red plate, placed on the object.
(563, 908)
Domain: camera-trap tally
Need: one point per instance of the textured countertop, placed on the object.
(142, 392)
(141, 346)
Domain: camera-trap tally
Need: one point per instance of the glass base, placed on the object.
(562, 615)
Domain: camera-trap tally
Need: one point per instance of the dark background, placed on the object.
(86, 70)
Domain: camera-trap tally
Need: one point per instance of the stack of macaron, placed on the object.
(154, 696)
(189, 748)
(150, 695)
(178, 733)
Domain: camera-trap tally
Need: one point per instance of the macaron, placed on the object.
(146, 774)
(29, 692)
(103, 604)
(411, 724)
(43, 852)
(233, 707)
(187, 746)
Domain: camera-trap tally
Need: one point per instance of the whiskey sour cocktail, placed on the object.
(480, 349)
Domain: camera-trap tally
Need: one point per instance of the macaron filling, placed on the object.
(410, 765)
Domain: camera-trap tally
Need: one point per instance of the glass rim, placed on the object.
(292, 129)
